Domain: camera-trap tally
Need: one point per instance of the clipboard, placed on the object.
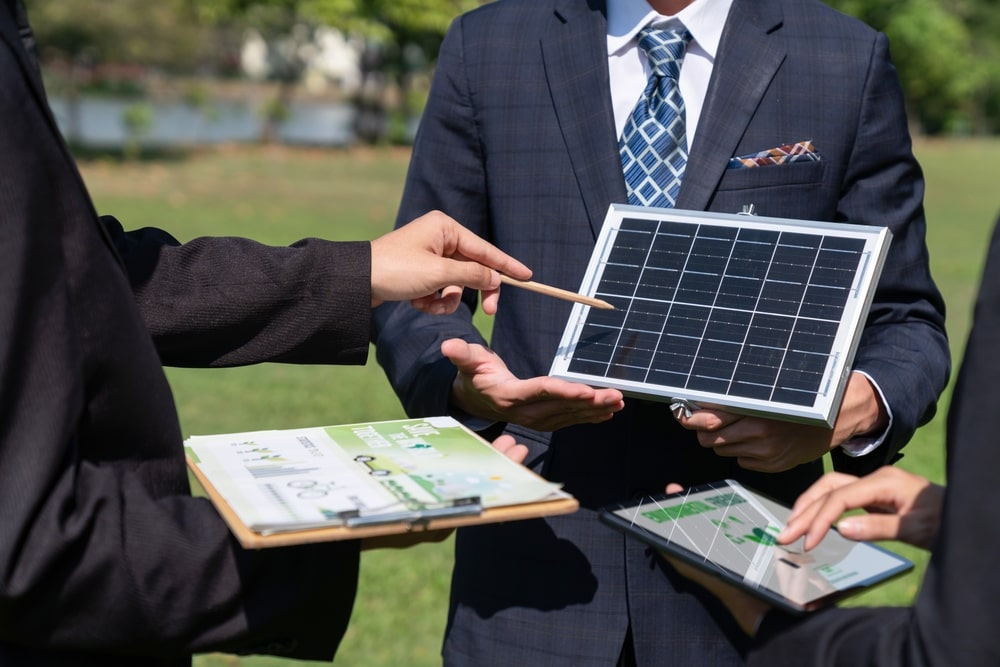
(439, 474)
(250, 539)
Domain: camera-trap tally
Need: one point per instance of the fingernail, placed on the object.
(847, 526)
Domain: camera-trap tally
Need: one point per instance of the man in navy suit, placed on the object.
(520, 141)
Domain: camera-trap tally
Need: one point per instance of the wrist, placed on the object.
(864, 403)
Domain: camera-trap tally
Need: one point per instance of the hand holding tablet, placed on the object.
(730, 532)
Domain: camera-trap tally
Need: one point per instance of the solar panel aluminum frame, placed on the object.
(873, 242)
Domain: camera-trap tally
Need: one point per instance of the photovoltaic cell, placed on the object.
(761, 315)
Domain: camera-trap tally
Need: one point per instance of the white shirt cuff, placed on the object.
(866, 444)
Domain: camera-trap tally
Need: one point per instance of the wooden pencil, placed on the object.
(556, 292)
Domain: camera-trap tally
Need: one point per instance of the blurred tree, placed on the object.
(947, 51)
(402, 38)
(162, 34)
(280, 24)
(86, 45)
(138, 121)
(936, 48)
(984, 25)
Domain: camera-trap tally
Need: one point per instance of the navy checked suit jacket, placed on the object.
(517, 142)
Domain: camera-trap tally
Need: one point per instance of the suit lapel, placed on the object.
(575, 58)
(747, 60)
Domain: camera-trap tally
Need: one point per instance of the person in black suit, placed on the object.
(105, 557)
(520, 141)
(952, 621)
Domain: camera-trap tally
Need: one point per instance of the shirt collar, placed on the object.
(704, 19)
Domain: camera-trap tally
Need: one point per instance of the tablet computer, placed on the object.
(730, 531)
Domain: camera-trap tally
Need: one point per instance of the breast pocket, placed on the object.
(782, 191)
(773, 176)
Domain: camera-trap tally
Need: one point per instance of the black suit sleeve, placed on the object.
(953, 619)
(232, 301)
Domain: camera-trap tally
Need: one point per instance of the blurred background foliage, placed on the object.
(123, 46)
(948, 56)
(947, 51)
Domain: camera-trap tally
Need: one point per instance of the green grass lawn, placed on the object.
(281, 195)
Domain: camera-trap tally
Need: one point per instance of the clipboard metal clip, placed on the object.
(470, 506)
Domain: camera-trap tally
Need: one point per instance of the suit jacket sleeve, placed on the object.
(230, 301)
(903, 346)
(952, 621)
(446, 173)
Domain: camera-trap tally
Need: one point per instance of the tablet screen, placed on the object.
(731, 531)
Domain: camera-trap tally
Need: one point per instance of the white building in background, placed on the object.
(338, 59)
(328, 58)
(253, 56)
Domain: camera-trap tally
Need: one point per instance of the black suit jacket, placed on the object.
(518, 143)
(105, 558)
(953, 621)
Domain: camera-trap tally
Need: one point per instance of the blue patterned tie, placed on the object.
(654, 144)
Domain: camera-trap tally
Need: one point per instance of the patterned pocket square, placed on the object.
(798, 152)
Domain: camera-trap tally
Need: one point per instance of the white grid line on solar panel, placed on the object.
(749, 367)
(836, 271)
(781, 255)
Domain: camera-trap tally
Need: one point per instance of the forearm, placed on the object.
(232, 301)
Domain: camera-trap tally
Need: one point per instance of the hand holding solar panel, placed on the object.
(771, 445)
(758, 315)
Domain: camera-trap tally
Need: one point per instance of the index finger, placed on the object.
(808, 505)
(816, 519)
(813, 521)
(467, 245)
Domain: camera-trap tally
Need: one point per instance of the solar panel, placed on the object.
(757, 315)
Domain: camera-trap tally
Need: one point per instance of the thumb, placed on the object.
(459, 352)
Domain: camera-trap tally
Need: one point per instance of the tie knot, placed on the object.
(665, 48)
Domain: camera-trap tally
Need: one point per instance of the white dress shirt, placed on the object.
(629, 69)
